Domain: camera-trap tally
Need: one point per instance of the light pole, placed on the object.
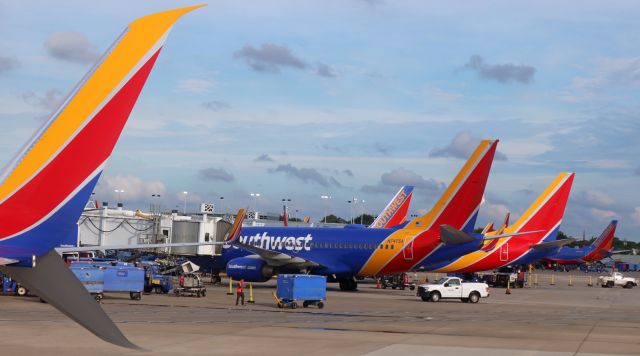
(327, 197)
(284, 202)
(255, 204)
(221, 200)
(155, 205)
(119, 191)
(185, 193)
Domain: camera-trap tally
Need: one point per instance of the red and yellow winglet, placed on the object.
(70, 150)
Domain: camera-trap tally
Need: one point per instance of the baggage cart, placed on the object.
(92, 278)
(190, 284)
(293, 288)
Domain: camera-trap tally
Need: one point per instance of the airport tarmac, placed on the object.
(546, 320)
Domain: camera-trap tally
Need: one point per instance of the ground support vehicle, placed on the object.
(397, 281)
(10, 287)
(116, 277)
(509, 277)
(190, 284)
(453, 288)
(293, 288)
(617, 279)
(154, 280)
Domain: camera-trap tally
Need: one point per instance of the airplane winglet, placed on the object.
(234, 233)
(54, 282)
(553, 244)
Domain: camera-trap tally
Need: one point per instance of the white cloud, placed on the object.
(71, 47)
(594, 198)
(195, 86)
(635, 216)
(135, 189)
(609, 72)
(601, 213)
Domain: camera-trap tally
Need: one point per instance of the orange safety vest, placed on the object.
(240, 288)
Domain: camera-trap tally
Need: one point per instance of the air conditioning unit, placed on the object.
(206, 208)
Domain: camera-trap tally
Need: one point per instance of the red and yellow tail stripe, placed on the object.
(70, 150)
(544, 214)
(456, 207)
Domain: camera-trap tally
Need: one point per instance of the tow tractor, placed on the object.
(397, 281)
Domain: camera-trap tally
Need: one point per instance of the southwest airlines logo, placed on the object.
(393, 208)
(289, 243)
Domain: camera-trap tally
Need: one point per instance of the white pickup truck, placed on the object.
(453, 287)
(617, 279)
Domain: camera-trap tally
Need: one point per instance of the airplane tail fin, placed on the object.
(285, 216)
(234, 233)
(542, 219)
(60, 165)
(458, 205)
(605, 240)
(487, 228)
(395, 212)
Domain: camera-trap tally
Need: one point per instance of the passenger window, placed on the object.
(392, 246)
(381, 246)
(386, 247)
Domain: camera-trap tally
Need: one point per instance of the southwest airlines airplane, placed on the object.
(601, 248)
(343, 254)
(537, 228)
(60, 165)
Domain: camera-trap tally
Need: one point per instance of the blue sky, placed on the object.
(297, 99)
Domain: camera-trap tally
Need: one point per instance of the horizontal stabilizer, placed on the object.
(493, 237)
(619, 251)
(553, 244)
(54, 282)
(452, 236)
(7, 261)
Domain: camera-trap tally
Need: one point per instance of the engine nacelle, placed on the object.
(249, 269)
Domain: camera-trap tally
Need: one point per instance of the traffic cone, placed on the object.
(508, 291)
(553, 281)
(250, 294)
(378, 286)
(570, 281)
(590, 282)
(230, 292)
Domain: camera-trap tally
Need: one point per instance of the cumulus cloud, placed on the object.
(135, 189)
(462, 147)
(216, 174)
(49, 101)
(326, 71)
(71, 47)
(195, 86)
(305, 174)
(8, 63)
(216, 105)
(269, 57)
(602, 213)
(263, 158)
(391, 181)
(635, 216)
(502, 73)
(594, 198)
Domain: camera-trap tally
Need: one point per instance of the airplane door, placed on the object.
(504, 252)
(407, 251)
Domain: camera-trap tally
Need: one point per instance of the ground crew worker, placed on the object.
(240, 291)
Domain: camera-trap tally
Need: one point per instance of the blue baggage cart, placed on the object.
(124, 278)
(91, 277)
(292, 288)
